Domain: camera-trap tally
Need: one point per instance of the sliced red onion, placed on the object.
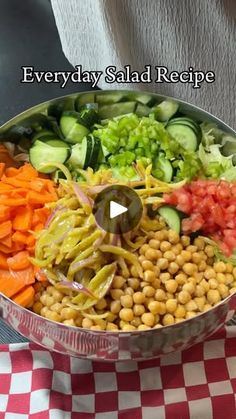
(115, 239)
(82, 197)
(54, 212)
(100, 239)
(76, 286)
(22, 157)
(84, 262)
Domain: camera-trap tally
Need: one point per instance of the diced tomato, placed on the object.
(211, 206)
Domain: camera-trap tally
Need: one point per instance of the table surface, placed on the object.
(28, 37)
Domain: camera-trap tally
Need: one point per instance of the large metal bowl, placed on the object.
(118, 346)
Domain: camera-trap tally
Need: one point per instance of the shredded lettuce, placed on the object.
(215, 165)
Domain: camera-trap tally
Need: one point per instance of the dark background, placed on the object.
(28, 37)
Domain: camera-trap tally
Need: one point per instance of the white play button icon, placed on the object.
(116, 209)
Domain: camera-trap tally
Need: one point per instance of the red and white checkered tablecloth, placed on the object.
(198, 383)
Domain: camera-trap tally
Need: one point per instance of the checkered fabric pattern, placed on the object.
(199, 383)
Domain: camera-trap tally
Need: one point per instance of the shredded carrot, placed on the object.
(25, 297)
(23, 194)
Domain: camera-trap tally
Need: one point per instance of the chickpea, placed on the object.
(164, 276)
(210, 261)
(152, 254)
(199, 291)
(207, 307)
(168, 319)
(229, 268)
(189, 268)
(87, 323)
(78, 321)
(126, 314)
(181, 278)
(229, 279)
(37, 307)
(126, 301)
(115, 306)
(44, 311)
(128, 291)
(149, 276)
(144, 284)
(118, 282)
(184, 297)
(234, 273)
(219, 267)
(111, 316)
(69, 322)
(198, 276)
(180, 312)
(156, 284)
(154, 307)
(191, 248)
(190, 314)
(213, 296)
(161, 235)
(68, 313)
(147, 265)
(133, 283)
(65, 299)
(169, 295)
(173, 268)
(57, 295)
(156, 271)
(101, 304)
(154, 244)
(157, 326)
(200, 301)
(139, 297)
(171, 285)
(57, 307)
(231, 291)
(165, 245)
(213, 284)
(199, 242)
(171, 305)
(209, 250)
(138, 309)
(189, 287)
(143, 249)
(143, 327)
(148, 319)
(202, 266)
(116, 294)
(196, 258)
(162, 264)
(160, 295)
(128, 328)
(179, 320)
(205, 284)
(136, 321)
(173, 237)
(209, 273)
(50, 289)
(180, 260)
(52, 315)
(169, 255)
(149, 291)
(96, 327)
(187, 256)
(191, 306)
(176, 250)
(223, 290)
(185, 240)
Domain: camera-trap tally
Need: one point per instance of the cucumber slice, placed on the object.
(187, 122)
(142, 98)
(184, 135)
(171, 217)
(42, 153)
(109, 98)
(165, 110)
(229, 145)
(116, 109)
(81, 153)
(84, 98)
(57, 143)
(165, 166)
(43, 134)
(142, 110)
(94, 158)
(71, 127)
(88, 117)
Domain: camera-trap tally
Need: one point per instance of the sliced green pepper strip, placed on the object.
(84, 244)
(123, 253)
(99, 285)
